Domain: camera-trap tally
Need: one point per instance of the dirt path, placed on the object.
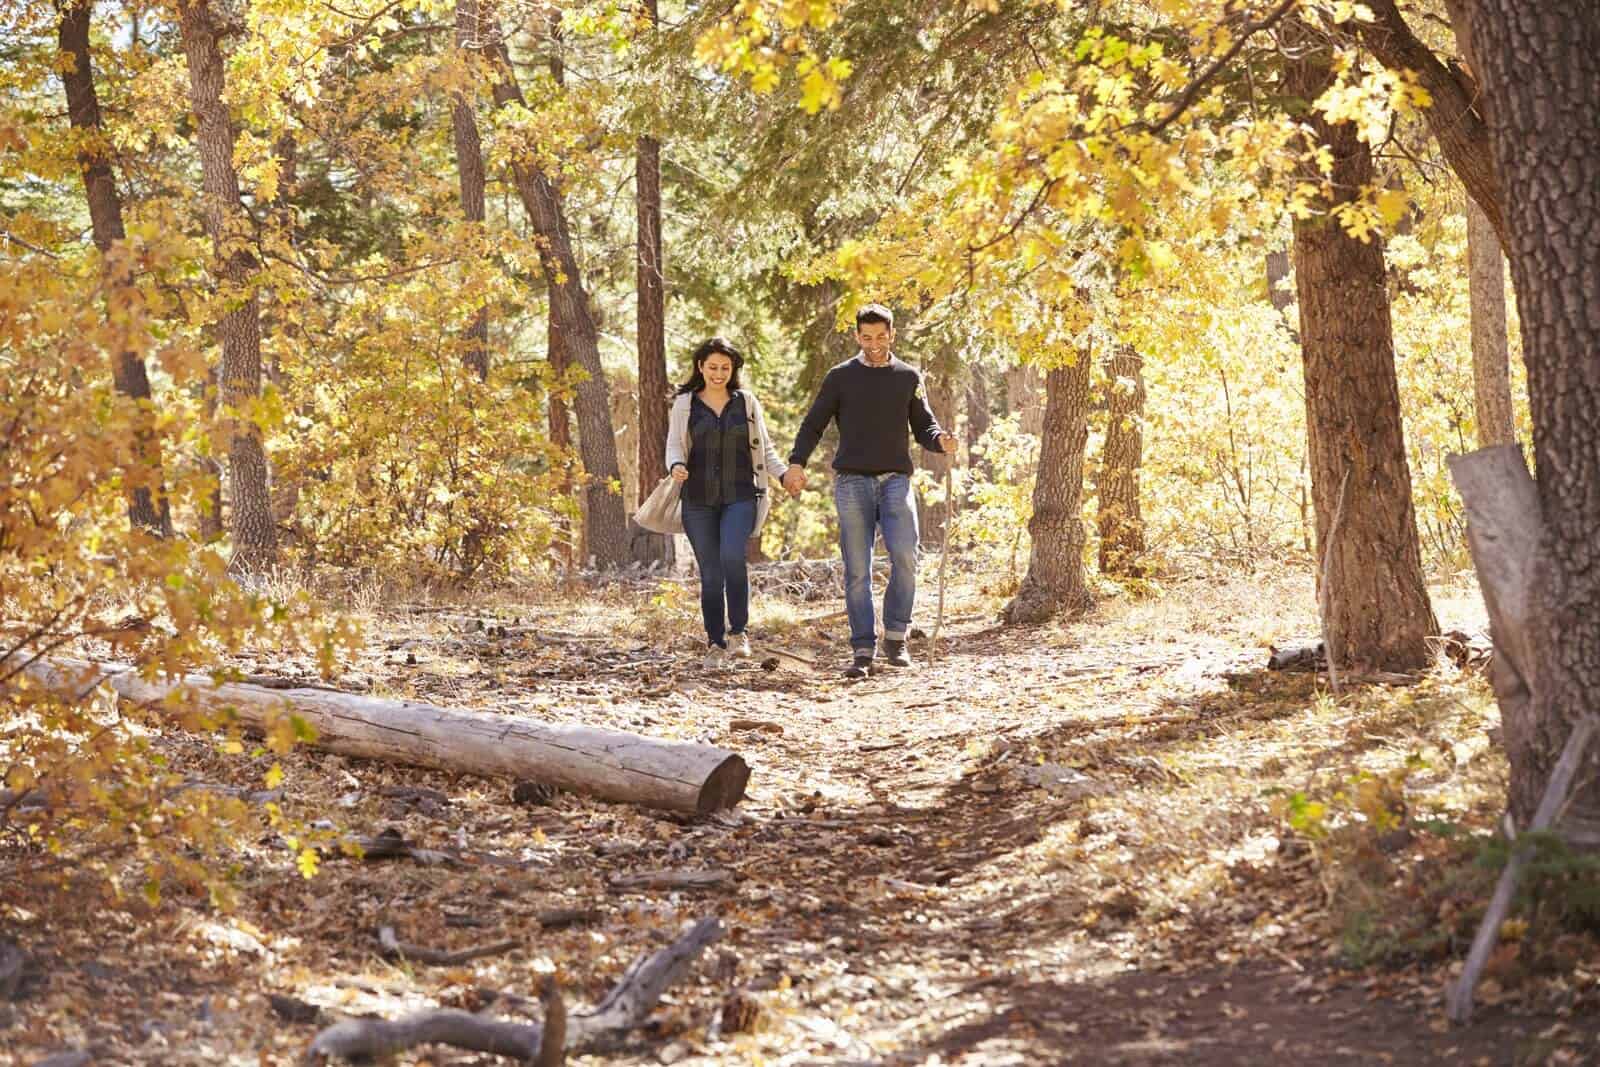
(1036, 847)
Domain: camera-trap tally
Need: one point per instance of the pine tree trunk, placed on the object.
(1541, 79)
(1055, 583)
(148, 507)
(606, 523)
(560, 417)
(469, 167)
(1378, 611)
(255, 542)
(652, 311)
(1120, 521)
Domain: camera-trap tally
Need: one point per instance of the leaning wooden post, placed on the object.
(1505, 532)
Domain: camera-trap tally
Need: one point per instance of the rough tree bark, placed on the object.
(148, 507)
(1486, 293)
(1540, 82)
(1055, 583)
(1379, 614)
(255, 542)
(606, 528)
(469, 168)
(1120, 521)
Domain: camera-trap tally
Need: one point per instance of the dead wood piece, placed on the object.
(1297, 658)
(293, 1009)
(394, 948)
(689, 879)
(1555, 796)
(556, 918)
(413, 794)
(70, 1058)
(625, 1008)
(608, 764)
(756, 724)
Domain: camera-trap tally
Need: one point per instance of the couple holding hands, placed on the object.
(720, 455)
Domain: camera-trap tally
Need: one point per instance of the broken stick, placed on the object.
(625, 1008)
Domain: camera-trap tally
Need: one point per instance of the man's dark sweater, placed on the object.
(874, 406)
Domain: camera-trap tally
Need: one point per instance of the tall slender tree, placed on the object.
(1378, 610)
(1486, 293)
(652, 306)
(1541, 77)
(148, 506)
(469, 167)
(606, 531)
(254, 536)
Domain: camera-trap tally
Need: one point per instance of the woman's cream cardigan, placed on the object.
(764, 458)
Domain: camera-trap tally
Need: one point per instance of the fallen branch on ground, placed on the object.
(625, 1008)
(394, 948)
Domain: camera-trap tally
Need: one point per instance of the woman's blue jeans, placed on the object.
(867, 503)
(718, 533)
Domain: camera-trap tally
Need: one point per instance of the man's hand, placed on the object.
(794, 479)
(680, 473)
(947, 443)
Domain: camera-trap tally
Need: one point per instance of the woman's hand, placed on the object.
(680, 473)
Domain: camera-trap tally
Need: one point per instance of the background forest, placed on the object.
(314, 308)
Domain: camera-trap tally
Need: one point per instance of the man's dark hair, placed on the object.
(875, 313)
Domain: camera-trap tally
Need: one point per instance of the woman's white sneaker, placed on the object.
(739, 646)
(716, 658)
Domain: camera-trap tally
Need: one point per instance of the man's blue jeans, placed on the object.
(718, 533)
(867, 503)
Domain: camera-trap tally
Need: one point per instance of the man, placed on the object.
(874, 397)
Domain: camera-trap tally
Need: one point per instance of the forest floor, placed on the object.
(1115, 841)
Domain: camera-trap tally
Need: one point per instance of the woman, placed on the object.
(719, 451)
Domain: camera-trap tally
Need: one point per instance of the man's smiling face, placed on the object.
(875, 339)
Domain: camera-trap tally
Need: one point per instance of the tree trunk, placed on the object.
(1379, 614)
(606, 527)
(255, 543)
(1117, 485)
(1055, 582)
(939, 379)
(608, 764)
(469, 167)
(561, 432)
(652, 311)
(1540, 82)
(148, 507)
(1486, 290)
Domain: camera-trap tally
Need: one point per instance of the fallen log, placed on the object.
(606, 764)
(625, 1008)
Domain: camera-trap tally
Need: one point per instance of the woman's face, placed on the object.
(717, 369)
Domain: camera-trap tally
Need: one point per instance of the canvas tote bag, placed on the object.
(662, 510)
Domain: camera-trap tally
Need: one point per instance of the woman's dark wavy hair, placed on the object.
(716, 346)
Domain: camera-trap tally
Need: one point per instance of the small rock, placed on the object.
(674, 1052)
